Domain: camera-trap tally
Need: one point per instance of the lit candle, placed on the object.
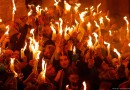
(67, 7)
(129, 44)
(0, 20)
(14, 9)
(108, 48)
(127, 22)
(110, 33)
(101, 22)
(91, 10)
(82, 15)
(76, 7)
(74, 50)
(12, 67)
(108, 19)
(84, 86)
(7, 32)
(67, 87)
(66, 36)
(38, 10)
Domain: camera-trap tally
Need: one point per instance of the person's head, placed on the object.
(8, 53)
(64, 61)
(49, 50)
(104, 65)
(73, 77)
(90, 63)
(50, 70)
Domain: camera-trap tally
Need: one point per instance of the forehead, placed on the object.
(63, 57)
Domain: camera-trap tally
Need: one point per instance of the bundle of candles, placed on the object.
(90, 24)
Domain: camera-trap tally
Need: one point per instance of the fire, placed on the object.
(14, 9)
(108, 19)
(67, 6)
(76, 7)
(90, 44)
(0, 20)
(43, 72)
(12, 67)
(98, 7)
(82, 15)
(56, 2)
(23, 49)
(129, 44)
(110, 33)
(84, 85)
(101, 20)
(96, 24)
(127, 22)
(61, 22)
(108, 47)
(7, 32)
(91, 9)
(96, 38)
(89, 26)
(119, 55)
(74, 50)
(38, 9)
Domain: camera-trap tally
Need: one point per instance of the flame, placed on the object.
(101, 20)
(82, 15)
(108, 47)
(30, 12)
(67, 6)
(90, 44)
(96, 24)
(38, 55)
(38, 9)
(119, 55)
(110, 32)
(43, 72)
(7, 32)
(56, 2)
(0, 20)
(84, 85)
(61, 22)
(74, 50)
(98, 7)
(94, 14)
(76, 7)
(96, 38)
(89, 26)
(23, 49)
(91, 9)
(12, 67)
(67, 87)
(127, 22)
(129, 44)
(108, 19)
(14, 9)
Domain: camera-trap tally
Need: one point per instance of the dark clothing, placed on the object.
(17, 43)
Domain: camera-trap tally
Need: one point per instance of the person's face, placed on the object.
(47, 53)
(74, 79)
(50, 71)
(64, 61)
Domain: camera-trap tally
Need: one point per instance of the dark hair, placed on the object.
(72, 70)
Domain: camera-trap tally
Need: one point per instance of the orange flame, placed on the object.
(84, 85)
(43, 72)
(0, 20)
(12, 67)
(74, 50)
(82, 15)
(7, 32)
(61, 22)
(56, 2)
(67, 6)
(14, 9)
(127, 22)
(98, 7)
(76, 7)
(108, 47)
(90, 44)
(119, 55)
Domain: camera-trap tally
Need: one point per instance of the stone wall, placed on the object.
(6, 9)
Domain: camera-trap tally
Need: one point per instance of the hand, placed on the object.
(58, 76)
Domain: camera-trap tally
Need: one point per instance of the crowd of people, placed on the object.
(66, 69)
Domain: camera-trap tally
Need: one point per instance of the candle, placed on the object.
(127, 22)
(14, 9)
(108, 48)
(12, 67)
(38, 10)
(76, 7)
(101, 22)
(98, 7)
(91, 10)
(67, 7)
(84, 86)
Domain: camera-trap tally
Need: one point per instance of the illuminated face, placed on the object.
(16, 54)
(64, 61)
